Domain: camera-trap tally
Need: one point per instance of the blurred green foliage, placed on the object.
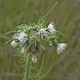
(66, 16)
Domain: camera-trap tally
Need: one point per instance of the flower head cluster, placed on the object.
(28, 38)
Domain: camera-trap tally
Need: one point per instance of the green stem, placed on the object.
(28, 68)
(26, 73)
(49, 11)
(40, 69)
(45, 74)
(24, 78)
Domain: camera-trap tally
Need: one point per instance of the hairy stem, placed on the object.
(27, 65)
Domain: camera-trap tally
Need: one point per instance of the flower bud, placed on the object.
(34, 59)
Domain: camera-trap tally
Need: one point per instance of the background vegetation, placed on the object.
(66, 16)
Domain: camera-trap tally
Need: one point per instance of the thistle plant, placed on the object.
(27, 40)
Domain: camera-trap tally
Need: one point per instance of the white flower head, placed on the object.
(14, 43)
(21, 37)
(34, 59)
(61, 47)
(42, 32)
(51, 28)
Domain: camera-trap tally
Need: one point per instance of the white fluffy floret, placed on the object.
(14, 43)
(51, 28)
(21, 37)
(61, 47)
(42, 32)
